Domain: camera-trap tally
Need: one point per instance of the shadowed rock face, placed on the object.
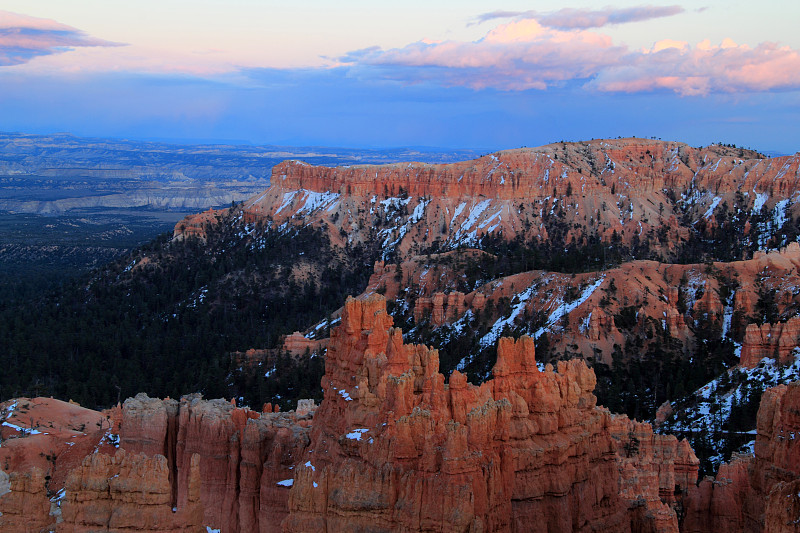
(129, 492)
(761, 492)
(242, 456)
(395, 448)
(656, 291)
(776, 341)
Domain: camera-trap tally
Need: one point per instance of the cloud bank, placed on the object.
(23, 38)
(539, 53)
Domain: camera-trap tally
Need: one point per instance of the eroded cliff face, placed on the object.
(129, 492)
(759, 493)
(242, 456)
(588, 314)
(619, 190)
(395, 448)
(776, 341)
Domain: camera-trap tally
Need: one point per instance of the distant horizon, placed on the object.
(479, 151)
(469, 74)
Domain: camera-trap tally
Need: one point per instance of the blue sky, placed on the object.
(467, 74)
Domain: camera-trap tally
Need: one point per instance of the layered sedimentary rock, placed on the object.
(441, 308)
(395, 448)
(242, 456)
(129, 492)
(664, 301)
(297, 344)
(24, 505)
(614, 189)
(759, 493)
(776, 471)
(655, 472)
(776, 341)
(41, 441)
(724, 503)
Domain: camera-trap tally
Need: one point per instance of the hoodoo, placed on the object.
(395, 448)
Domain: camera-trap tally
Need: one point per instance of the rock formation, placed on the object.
(129, 492)
(24, 504)
(759, 493)
(668, 300)
(613, 189)
(776, 341)
(395, 448)
(298, 345)
(242, 455)
(441, 308)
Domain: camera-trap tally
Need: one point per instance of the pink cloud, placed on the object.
(516, 56)
(23, 37)
(525, 54)
(700, 70)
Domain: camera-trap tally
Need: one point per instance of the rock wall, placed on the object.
(242, 456)
(298, 345)
(24, 505)
(129, 492)
(395, 448)
(639, 164)
(441, 308)
(759, 493)
(776, 341)
(597, 187)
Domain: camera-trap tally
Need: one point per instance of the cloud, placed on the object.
(516, 56)
(705, 69)
(23, 38)
(526, 54)
(570, 18)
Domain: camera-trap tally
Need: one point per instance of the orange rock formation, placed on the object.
(607, 188)
(242, 455)
(776, 341)
(395, 448)
(129, 492)
(758, 493)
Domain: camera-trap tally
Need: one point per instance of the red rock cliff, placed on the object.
(241, 456)
(606, 188)
(395, 448)
(758, 493)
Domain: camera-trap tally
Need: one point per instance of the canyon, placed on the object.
(392, 447)
(529, 287)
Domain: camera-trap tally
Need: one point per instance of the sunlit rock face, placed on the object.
(395, 448)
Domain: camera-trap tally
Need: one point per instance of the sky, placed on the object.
(356, 73)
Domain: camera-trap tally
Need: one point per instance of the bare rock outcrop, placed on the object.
(395, 448)
(598, 188)
(24, 505)
(296, 344)
(241, 455)
(759, 493)
(129, 492)
(776, 341)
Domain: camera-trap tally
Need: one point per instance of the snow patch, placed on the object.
(356, 433)
(564, 308)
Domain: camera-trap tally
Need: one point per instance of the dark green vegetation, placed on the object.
(40, 253)
(135, 329)
(165, 318)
